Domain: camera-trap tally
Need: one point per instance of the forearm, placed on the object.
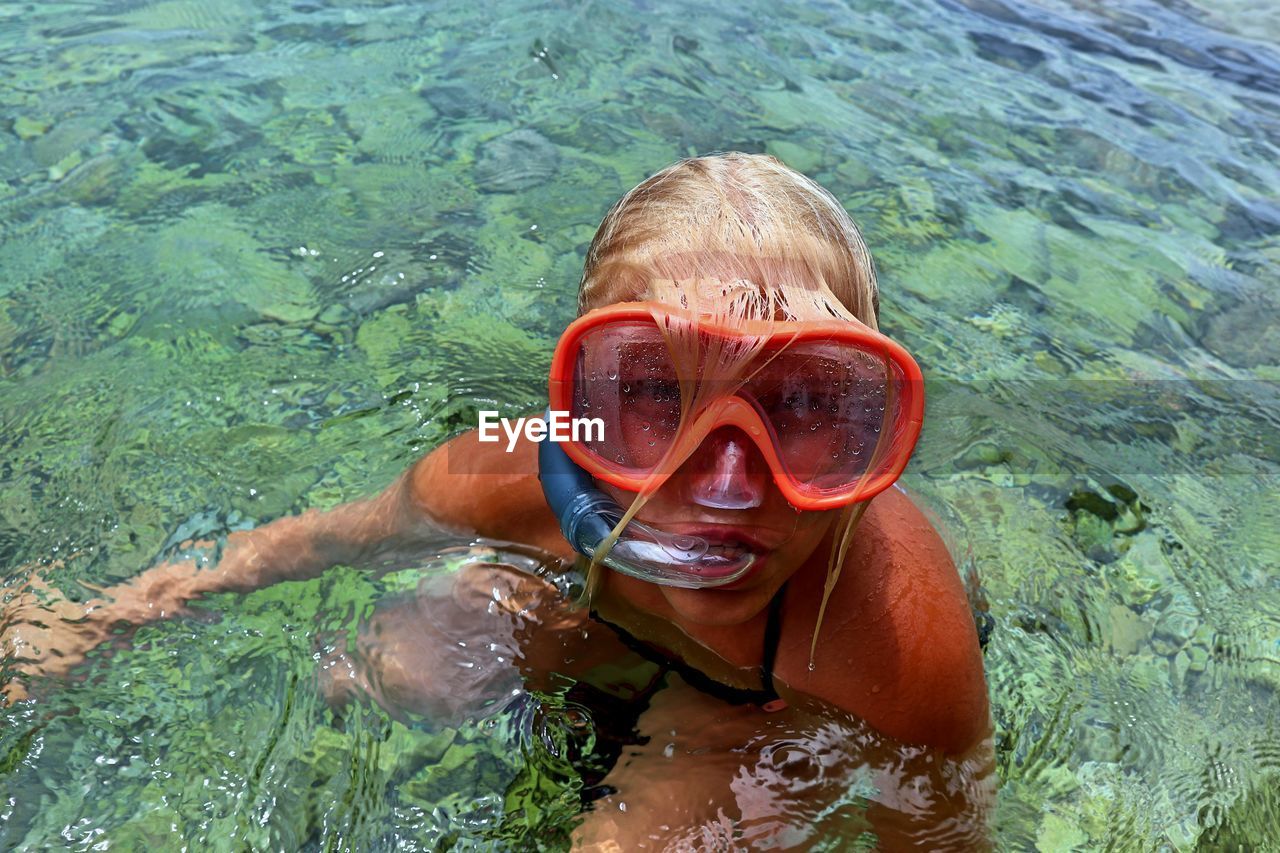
(422, 503)
(301, 547)
(43, 632)
(296, 547)
(285, 549)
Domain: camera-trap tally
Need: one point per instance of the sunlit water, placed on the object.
(259, 257)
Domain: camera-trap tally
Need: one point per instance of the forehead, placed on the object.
(764, 271)
(708, 277)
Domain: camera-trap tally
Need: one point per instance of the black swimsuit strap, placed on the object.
(702, 681)
(772, 631)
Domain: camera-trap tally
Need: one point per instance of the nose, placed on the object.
(726, 472)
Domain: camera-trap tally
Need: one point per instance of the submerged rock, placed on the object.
(515, 161)
(1245, 334)
(1102, 525)
(459, 102)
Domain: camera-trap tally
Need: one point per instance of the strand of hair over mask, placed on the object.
(707, 368)
(848, 523)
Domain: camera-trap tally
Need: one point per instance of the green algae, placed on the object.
(169, 360)
(204, 261)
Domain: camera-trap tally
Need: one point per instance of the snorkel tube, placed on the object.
(587, 515)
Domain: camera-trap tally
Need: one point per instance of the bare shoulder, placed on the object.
(898, 646)
(478, 487)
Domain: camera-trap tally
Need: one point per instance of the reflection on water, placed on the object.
(258, 257)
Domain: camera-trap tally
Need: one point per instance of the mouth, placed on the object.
(724, 540)
(730, 554)
(695, 554)
(681, 559)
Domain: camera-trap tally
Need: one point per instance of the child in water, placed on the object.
(734, 509)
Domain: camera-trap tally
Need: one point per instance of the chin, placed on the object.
(717, 607)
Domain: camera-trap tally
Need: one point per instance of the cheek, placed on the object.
(810, 528)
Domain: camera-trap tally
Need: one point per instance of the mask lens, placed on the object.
(830, 407)
(625, 377)
(839, 412)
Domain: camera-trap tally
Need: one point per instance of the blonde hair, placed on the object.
(748, 207)
(736, 236)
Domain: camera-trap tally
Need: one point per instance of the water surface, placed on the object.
(258, 257)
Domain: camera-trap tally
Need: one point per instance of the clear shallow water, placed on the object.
(1074, 210)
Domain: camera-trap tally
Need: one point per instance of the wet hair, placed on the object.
(750, 212)
(733, 237)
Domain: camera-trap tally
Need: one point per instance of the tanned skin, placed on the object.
(898, 646)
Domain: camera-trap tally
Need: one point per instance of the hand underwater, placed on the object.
(44, 633)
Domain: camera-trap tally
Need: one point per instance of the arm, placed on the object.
(44, 633)
(463, 487)
(296, 547)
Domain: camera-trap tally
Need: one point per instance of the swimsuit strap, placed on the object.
(772, 632)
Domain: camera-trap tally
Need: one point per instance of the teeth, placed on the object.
(724, 560)
(729, 553)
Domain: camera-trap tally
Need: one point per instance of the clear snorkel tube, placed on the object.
(587, 516)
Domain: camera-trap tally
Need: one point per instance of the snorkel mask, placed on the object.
(834, 407)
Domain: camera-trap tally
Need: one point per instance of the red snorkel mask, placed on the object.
(834, 407)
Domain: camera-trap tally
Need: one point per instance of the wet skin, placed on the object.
(898, 647)
(898, 650)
